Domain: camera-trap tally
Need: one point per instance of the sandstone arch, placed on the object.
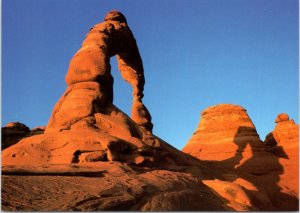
(90, 69)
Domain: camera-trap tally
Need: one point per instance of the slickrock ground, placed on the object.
(227, 141)
(103, 170)
(261, 178)
(103, 186)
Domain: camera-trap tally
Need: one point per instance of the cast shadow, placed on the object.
(254, 163)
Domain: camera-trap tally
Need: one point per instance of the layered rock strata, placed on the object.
(223, 132)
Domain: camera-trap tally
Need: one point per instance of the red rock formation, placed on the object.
(91, 64)
(114, 162)
(135, 170)
(282, 117)
(223, 132)
(283, 141)
(85, 125)
(226, 141)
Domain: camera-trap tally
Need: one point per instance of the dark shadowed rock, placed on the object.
(12, 133)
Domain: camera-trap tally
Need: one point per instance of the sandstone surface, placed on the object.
(224, 132)
(105, 186)
(232, 193)
(227, 141)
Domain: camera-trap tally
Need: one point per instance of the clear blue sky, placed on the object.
(196, 53)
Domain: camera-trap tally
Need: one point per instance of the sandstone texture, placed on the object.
(232, 193)
(105, 186)
(223, 132)
(227, 141)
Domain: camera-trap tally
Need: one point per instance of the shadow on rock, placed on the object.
(258, 171)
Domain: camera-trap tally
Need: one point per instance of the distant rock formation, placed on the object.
(223, 132)
(282, 117)
(283, 142)
(13, 132)
(226, 141)
(37, 130)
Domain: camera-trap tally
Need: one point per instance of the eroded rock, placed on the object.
(283, 142)
(97, 158)
(223, 132)
(226, 141)
(85, 119)
(91, 64)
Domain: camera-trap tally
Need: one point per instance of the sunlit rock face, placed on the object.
(227, 141)
(224, 131)
(89, 75)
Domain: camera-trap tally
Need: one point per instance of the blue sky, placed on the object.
(196, 53)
